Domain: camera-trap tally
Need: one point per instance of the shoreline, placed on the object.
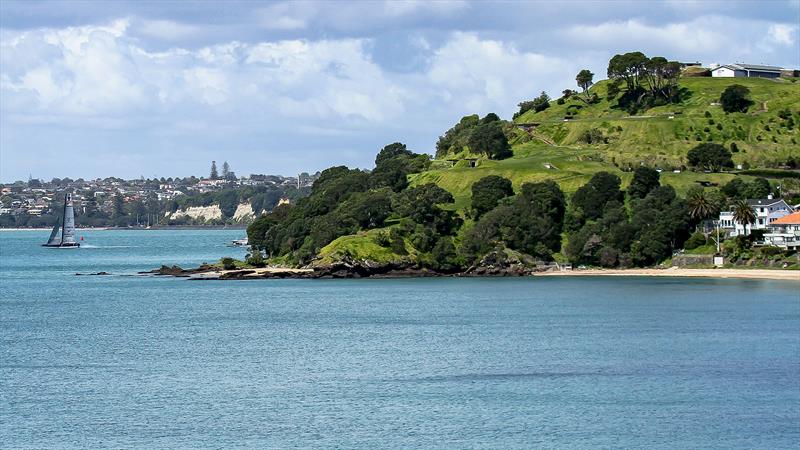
(167, 228)
(215, 273)
(676, 272)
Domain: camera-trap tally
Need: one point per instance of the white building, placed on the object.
(784, 232)
(766, 210)
(746, 70)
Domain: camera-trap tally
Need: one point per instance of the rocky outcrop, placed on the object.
(204, 213)
(244, 212)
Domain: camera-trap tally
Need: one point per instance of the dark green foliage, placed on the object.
(255, 259)
(694, 241)
(393, 164)
(584, 80)
(487, 193)
(228, 263)
(735, 98)
(644, 180)
(592, 197)
(456, 138)
(420, 204)
(398, 243)
(736, 188)
(758, 188)
(228, 201)
(367, 209)
(539, 103)
(444, 255)
(710, 156)
(490, 140)
(532, 224)
(649, 81)
(592, 136)
(424, 238)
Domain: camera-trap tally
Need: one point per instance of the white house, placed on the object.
(746, 70)
(784, 232)
(766, 210)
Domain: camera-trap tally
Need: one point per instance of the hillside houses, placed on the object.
(766, 211)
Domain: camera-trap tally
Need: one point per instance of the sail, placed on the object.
(54, 239)
(68, 230)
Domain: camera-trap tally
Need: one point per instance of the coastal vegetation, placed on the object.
(618, 175)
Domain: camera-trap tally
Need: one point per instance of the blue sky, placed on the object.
(95, 89)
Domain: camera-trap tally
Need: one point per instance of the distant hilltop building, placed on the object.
(745, 70)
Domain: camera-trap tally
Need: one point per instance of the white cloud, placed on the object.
(782, 33)
(483, 75)
(167, 29)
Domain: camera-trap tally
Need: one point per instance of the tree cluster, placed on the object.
(484, 136)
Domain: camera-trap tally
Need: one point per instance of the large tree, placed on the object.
(487, 193)
(585, 80)
(592, 197)
(490, 140)
(735, 98)
(644, 180)
(710, 156)
(214, 175)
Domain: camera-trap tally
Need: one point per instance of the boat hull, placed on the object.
(76, 245)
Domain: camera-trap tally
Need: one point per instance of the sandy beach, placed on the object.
(766, 274)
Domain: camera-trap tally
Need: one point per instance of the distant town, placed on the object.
(114, 201)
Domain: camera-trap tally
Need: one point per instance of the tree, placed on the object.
(392, 151)
(455, 139)
(584, 79)
(735, 98)
(701, 206)
(490, 140)
(487, 193)
(214, 175)
(710, 156)
(592, 197)
(226, 170)
(743, 213)
(758, 188)
(644, 180)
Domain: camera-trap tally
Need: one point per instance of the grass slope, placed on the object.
(651, 138)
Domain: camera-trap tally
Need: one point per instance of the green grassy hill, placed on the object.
(547, 147)
(658, 137)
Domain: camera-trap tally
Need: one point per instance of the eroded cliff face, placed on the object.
(244, 213)
(204, 213)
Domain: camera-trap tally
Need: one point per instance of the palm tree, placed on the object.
(701, 207)
(743, 213)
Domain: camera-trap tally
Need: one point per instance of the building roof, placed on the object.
(754, 67)
(763, 201)
(791, 219)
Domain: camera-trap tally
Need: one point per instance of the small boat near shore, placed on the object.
(239, 243)
(65, 223)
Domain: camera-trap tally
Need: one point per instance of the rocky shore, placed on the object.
(341, 269)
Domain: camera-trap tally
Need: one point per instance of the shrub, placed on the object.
(255, 259)
(228, 263)
(694, 241)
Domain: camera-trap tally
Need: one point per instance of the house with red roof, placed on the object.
(784, 232)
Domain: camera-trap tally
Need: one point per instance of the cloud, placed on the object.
(167, 29)
(395, 8)
(782, 33)
(484, 75)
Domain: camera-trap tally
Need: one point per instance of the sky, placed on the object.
(161, 88)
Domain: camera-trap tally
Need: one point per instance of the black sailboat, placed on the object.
(67, 225)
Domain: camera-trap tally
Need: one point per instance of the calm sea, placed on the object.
(127, 362)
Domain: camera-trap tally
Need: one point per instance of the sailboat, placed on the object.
(67, 225)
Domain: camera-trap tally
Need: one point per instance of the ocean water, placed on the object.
(125, 361)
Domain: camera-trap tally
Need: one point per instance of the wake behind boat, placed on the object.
(67, 225)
